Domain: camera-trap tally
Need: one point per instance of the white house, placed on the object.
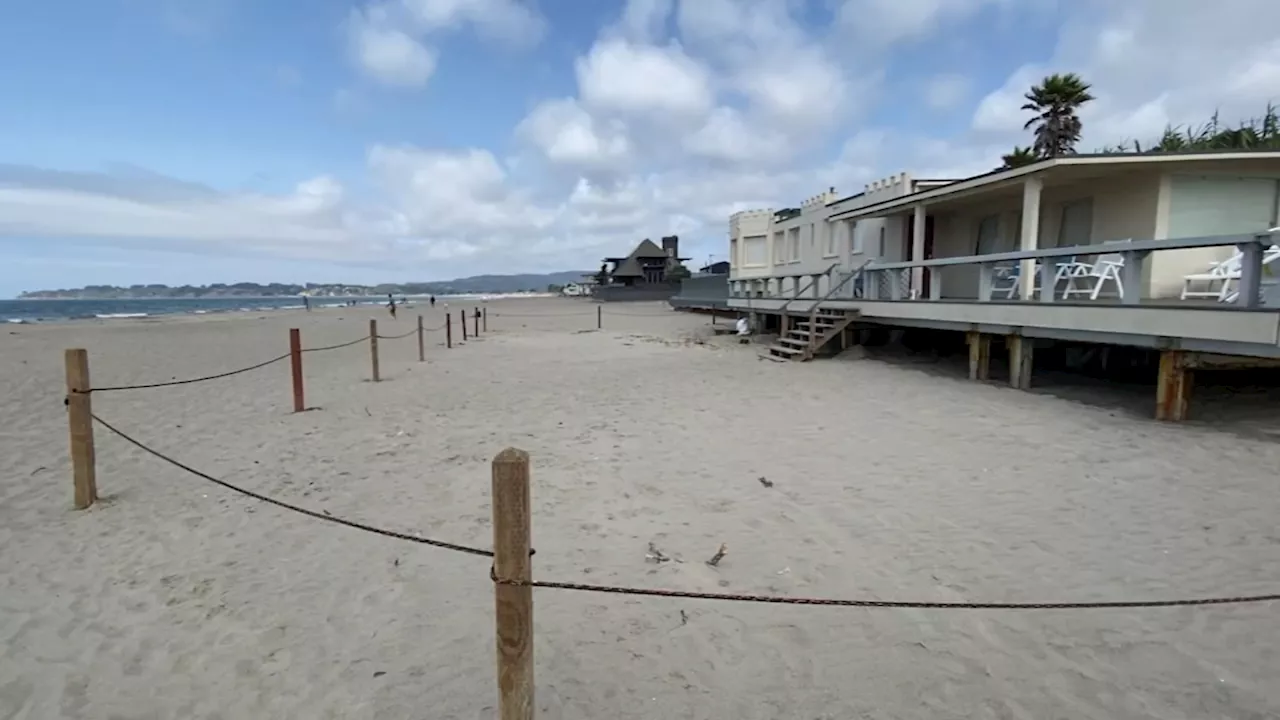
(1075, 200)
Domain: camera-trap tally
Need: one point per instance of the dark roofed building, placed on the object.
(647, 264)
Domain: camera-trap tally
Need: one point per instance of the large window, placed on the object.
(830, 236)
(988, 240)
(755, 250)
(793, 244)
(1076, 226)
(779, 248)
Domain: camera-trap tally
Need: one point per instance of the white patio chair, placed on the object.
(1008, 279)
(1104, 268)
(1269, 256)
(1216, 283)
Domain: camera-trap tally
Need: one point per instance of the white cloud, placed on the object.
(511, 21)
(567, 135)
(634, 78)
(389, 55)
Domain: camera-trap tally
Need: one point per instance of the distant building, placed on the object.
(716, 268)
(647, 264)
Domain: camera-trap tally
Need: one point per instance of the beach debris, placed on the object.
(380, 673)
(366, 412)
(715, 559)
(655, 555)
(766, 481)
(684, 618)
(326, 512)
(783, 571)
(33, 472)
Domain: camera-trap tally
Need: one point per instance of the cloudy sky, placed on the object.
(192, 141)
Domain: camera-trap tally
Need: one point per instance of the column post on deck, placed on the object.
(1173, 386)
(513, 603)
(919, 222)
(80, 424)
(1249, 287)
(1029, 237)
(979, 355)
(1021, 352)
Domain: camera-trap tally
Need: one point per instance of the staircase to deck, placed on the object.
(803, 338)
(807, 337)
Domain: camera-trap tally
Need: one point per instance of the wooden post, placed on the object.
(462, 315)
(448, 331)
(477, 323)
(1021, 351)
(373, 347)
(513, 603)
(484, 316)
(599, 317)
(1173, 386)
(80, 422)
(422, 349)
(295, 367)
(979, 355)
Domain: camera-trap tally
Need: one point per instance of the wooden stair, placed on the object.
(806, 336)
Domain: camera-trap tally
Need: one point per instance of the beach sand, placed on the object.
(176, 598)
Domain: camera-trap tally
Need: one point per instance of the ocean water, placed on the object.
(34, 311)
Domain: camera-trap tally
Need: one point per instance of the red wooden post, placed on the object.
(295, 366)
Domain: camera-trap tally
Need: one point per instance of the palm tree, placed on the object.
(1055, 101)
(1020, 157)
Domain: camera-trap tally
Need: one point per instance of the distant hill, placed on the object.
(481, 284)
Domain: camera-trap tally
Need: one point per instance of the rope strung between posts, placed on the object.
(401, 335)
(782, 600)
(280, 503)
(187, 381)
(219, 376)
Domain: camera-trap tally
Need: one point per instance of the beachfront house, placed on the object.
(1141, 250)
(647, 264)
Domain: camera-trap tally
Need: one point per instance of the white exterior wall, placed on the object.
(746, 229)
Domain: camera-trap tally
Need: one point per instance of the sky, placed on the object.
(198, 141)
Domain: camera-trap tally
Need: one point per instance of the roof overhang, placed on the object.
(1075, 167)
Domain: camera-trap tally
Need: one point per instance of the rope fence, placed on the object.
(510, 572)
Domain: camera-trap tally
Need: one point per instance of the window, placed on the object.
(831, 232)
(755, 250)
(882, 241)
(988, 238)
(855, 239)
(793, 244)
(779, 251)
(1076, 226)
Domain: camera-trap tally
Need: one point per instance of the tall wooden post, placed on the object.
(599, 317)
(448, 330)
(484, 316)
(979, 355)
(462, 315)
(477, 323)
(295, 367)
(80, 422)
(373, 347)
(513, 603)
(422, 349)
(1173, 386)
(1021, 352)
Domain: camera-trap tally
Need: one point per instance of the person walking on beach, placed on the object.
(391, 305)
(433, 301)
(306, 302)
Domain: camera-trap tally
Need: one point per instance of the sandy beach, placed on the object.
(175, 598)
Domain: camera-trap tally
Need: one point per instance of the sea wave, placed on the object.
(117, 316)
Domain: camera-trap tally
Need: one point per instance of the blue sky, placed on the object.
(194, 141)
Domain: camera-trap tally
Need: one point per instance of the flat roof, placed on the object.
(1000, 175)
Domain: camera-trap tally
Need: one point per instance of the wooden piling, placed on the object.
(462, 317)
(422, 348)
(513, 604)
(484, 317)
(979, 355)
(295, 368)
(448, 330)
(477, 323)
(373, 348)
(1021, 353)
(599, 317)
(80, 424)
(1173, 386)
